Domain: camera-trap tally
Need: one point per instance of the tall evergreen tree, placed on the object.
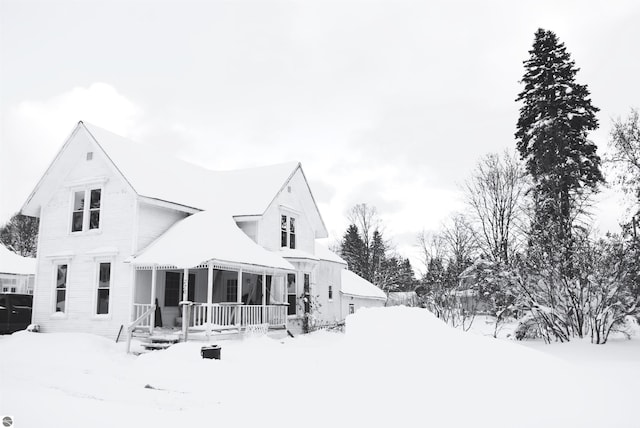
(555, 118)
(378, 254)
(352, 250)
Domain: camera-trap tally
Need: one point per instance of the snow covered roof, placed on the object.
(323, 253)
(157, 175)
(11, 262)
(208, 236)
(355, 285)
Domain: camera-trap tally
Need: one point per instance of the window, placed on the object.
(104, 282)
(283, 231)
(86, 216)
(173, 288)
(61, 288)
(288, 232)
(232, 290)
(291, 293)
(351, 308)
(307, 293)
(13, 289)
(330, 292)
(292, 233)
(5, 289)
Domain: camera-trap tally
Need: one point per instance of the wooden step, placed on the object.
(156, 346)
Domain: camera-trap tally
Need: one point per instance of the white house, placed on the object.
(131, 237)
(17, 273)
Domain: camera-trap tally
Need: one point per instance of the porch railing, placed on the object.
(138, 310)
(140, 320)
(226, 315)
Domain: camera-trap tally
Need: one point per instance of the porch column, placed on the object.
(185, 297)
(264, 297)
(239, 299)
(154, 280)
(209, 298)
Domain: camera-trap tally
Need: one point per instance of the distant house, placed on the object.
(130, 237)
(403, 298)
(17, 273)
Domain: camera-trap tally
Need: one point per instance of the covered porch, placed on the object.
(218, 297)
(205, 276)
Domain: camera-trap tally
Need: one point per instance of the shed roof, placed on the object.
(13, 263)
(207, 236)
(355, 285)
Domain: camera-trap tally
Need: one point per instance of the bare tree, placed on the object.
(459, 240)
(495, 194)
(625, 142)
(20, 235)
(432, 247)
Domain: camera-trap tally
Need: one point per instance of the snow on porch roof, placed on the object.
(355, 285)
(157, 175)
(204, 236)
(13, 263)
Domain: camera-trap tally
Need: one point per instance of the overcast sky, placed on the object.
(389, 103)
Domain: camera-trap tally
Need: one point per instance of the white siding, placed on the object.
(116, 231)
(359, 302)
(153, 221)
(297, 203)
(329, 275)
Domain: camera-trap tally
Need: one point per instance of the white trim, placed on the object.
(241, 218)
(166, 204)
(64, 255)
(54, 295)
(85, 182)
(290, 209)
(96, 287)
(86, 211)
(358, 296)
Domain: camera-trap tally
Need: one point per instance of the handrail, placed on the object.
(137, 322)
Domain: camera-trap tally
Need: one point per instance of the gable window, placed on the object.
(104, 283)
(86, 216)
(291, 294)
(330, 292)
(288, 232)
(61, 288)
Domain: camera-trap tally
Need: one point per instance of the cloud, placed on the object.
(33, 131)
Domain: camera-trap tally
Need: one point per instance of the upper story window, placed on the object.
(86, 216)
(288, 232)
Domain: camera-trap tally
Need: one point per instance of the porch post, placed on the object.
(264, 297)
(185, 297)
(239, 307)
(154, 278)
(209, 298)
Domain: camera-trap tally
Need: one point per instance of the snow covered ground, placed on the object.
(392, 367)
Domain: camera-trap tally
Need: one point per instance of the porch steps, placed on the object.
(159, 342)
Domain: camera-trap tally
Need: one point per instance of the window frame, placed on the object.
(97, 288)
(86, 209)
(55, 288)
(330, 293)
(288, 230)
(292, 310)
